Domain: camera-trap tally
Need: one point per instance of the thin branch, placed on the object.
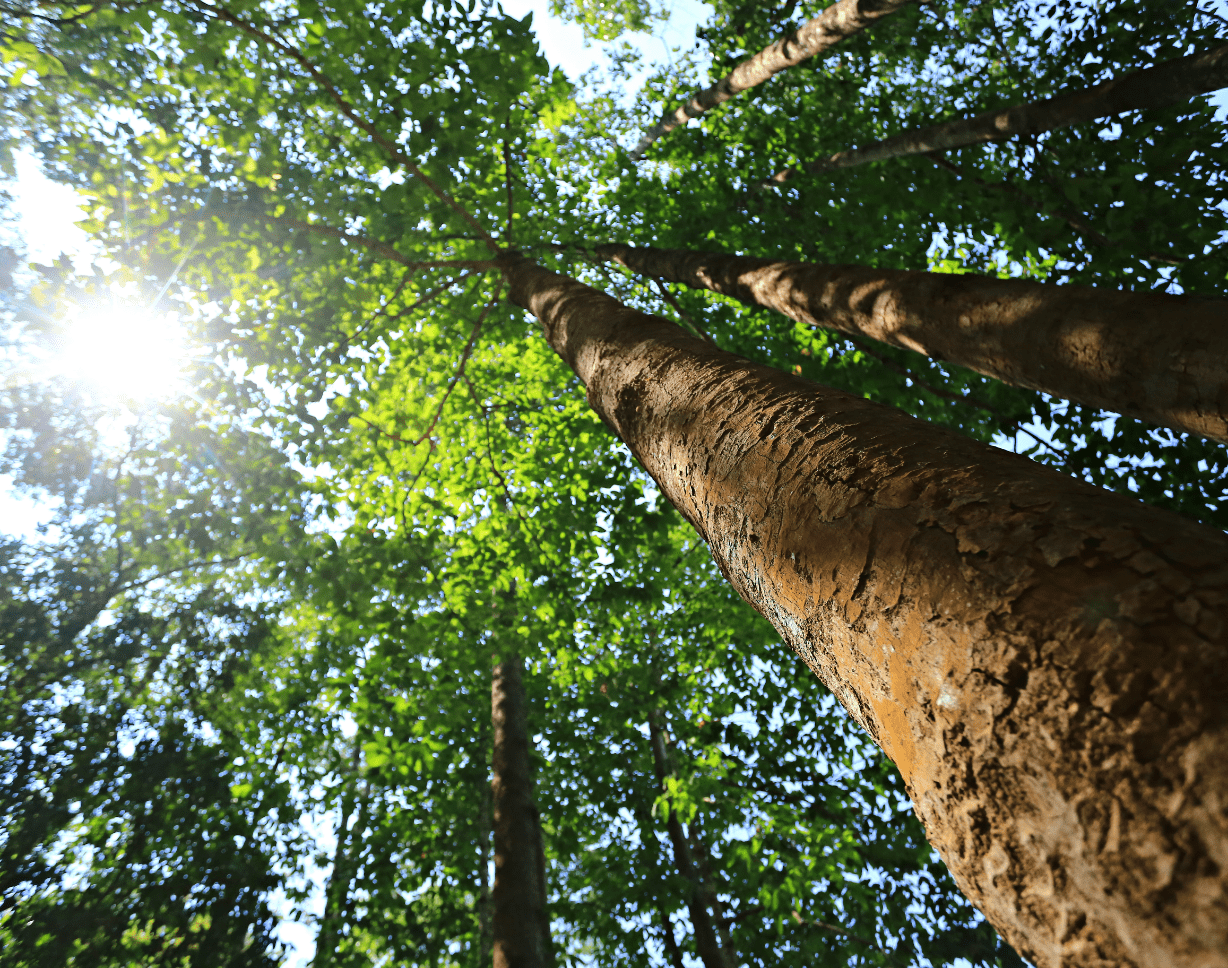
(1172, 82)
(422, 301)
(507, 174)
(456, 378)
(848, 934)
(390, 147)
(507, 493)
(668, 296)
(924, 384)
(1078, 223)
(382, 248)
(838, 22)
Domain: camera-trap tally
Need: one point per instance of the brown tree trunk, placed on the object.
(701, 897)
(1157, 357)
(836, 23)
(520, 923)
(1172, 82)
(1045, 662)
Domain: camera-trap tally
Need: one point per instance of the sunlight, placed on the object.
(125, 352)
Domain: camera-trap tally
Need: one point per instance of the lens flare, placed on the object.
(125, 353)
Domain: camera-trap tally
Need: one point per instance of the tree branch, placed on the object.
(848, 934)
(1165, 84)
(838, 22)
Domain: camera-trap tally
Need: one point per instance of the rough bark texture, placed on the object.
(1157, 357)
(838, 22)
(520, 923)
(1045, 662)
(1156, 87)
(700, 898)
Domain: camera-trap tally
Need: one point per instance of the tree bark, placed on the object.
(1169, 83)
(1161, 358)
(1045, 662)
(836, 23)
(700, 895)
(520, 923)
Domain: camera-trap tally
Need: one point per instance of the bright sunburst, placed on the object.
(125, 352)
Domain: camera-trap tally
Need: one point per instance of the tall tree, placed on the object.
(314, 277)
(1157, 357)
(961, 604)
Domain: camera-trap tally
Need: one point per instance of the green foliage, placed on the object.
(246, 670)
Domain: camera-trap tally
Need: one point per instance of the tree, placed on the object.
(1155, 358)
(267, 229)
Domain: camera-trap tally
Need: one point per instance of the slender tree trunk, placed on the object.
(1045, 662)
(1169, 83)
(520, 921)
(337, 889)
(485, 932)
(1157, 357)
(700, 895)
(836, 23)
(671, 943)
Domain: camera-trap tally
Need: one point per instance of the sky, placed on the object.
(43, 214)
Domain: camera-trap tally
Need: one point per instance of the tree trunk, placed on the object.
(1157, 357)
(485, 929)
(1169, 83)
(671, 943)
(337, 888)
(1045, 662)
(700, 895)
(520, 922)
(836, 23)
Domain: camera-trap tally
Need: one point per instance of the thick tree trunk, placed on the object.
(1169, 83)
(836, 23)
(1157, 357)
(520, 922)
(1045, 662)
(701, 898)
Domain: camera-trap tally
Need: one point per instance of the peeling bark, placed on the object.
(1045, 662)
(836, 23)
(1161, 358)
(1165, 84)
(520, 923)
(701, 898)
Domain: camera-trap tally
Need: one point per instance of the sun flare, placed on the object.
(125, 352)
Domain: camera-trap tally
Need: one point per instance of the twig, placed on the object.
(848, 934)
(1077, 223)
(455, 280)
(669, 298)
(456, 378)
(507, 494)
(507, 174)
(946, 394)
